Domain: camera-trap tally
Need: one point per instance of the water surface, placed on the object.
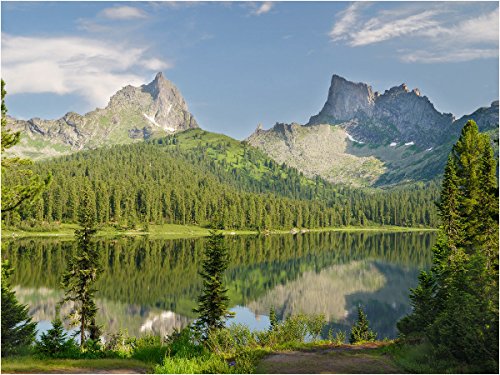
(151, 286)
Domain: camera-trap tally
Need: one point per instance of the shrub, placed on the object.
(184, 343)
(230, 340)
(149, 349)
(338, 338)
(315, 324)
(120, 344)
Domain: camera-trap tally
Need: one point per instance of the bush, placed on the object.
(315, 324)
(338, 338)
(149, 349)
(119, 343)
(230, 340)
(184, 343)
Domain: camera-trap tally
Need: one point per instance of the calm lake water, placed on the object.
(151, 286)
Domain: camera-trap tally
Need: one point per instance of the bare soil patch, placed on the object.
(345, 359)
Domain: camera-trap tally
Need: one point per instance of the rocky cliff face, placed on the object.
(397, 115)
(133, 113)
(486, 118)
(364, 138)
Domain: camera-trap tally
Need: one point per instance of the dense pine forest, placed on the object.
(202, 178)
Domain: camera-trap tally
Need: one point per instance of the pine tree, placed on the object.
(17, 328)
(54, 342)
(213, 301)
(361, 331)
(24, 185)
(83, 270)
(456, 303)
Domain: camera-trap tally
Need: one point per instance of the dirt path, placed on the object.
(329, 360)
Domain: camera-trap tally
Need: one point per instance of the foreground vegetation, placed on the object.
(29, 364)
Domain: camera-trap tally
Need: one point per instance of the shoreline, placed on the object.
(177, 231)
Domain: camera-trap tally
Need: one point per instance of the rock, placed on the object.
(397, 115)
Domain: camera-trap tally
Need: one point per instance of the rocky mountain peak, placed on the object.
(133, 113)
(398, 115)
(169, 107)
(345, 98)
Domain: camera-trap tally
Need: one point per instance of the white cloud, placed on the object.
(264, 8)
(459, 55)
(123, 13)
(347, 19)
(440, 32)
(156, 64)
(377, 30)
(91, 68)
(481, 29)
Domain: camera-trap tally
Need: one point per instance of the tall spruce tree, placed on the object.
(17, 328)
(83, 271)
(455, 305)
(213, 301)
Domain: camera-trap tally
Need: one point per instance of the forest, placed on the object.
(221, 183)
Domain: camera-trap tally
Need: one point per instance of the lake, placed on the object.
(151, 286)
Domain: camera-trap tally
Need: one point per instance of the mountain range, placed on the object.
(364, 138)
(359, 137)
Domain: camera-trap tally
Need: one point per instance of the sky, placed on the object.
(240, 64)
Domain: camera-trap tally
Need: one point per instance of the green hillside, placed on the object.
(201, 178)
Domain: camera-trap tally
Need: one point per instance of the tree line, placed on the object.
(146, 182)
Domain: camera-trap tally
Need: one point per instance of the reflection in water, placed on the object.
(152, 285)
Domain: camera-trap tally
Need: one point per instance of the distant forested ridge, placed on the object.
(202, 178)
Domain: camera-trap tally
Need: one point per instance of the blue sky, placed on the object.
(239, 64)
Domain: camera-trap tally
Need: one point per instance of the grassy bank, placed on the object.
(30, 364)
(175, 231)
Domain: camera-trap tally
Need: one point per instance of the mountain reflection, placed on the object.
(152, 285)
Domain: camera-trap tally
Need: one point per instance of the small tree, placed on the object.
(273, 319)
(54, 342)
(213, 301)
(83, 270)
(361, 331)
(17, 328)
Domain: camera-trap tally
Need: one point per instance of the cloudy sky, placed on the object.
(239, 64)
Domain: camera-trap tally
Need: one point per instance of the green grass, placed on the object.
(29, 364)
(176, 231)
(422, 359)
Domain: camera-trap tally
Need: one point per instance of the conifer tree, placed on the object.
(17, 328)
(83, 270)
(213, 302)
(273, 319)
(361, 331)
(54, 342)
(24, 185)
(456, 303)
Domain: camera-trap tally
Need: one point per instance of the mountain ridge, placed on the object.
(363, 138)
(132, 113)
